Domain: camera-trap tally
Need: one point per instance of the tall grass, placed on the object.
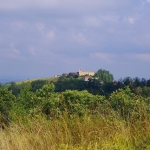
(90, 132)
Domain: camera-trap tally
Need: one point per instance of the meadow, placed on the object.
(74, 120)
(88, 132)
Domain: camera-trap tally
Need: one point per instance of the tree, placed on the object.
(148, 83)
(79, 102)
(37, 84)
(0, 84)
(62, 78)
(73, 74)
(128, 81)
(104, 76)
(49, 100)
(146, 91)
(14, 88)
(122, 101)
(143, 82)
(6, 101)
(26, 97)
(137, 82)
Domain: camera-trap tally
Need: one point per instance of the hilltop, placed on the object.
(54, 79)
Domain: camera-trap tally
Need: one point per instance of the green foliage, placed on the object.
(25, 96)
(80, 102)
(46, 91)
(128, 81)
(73, 75)
(37, 84)
(138, 90)
(0, 85)
(143, 91)
(49, 100)
(76, 98)
(26, 103)
(146, 91)
(104, 76)
(70, 84)
(6, 101)
(122, 101)
(148, 83)
(62, 78)
(16, 88)
(75, 116)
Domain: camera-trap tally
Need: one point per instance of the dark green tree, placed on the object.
(14, 88)
(143, 82)
(104, 76)
(0, 84)
(37, 84)
(146, 91)
(62, 78)
(6, 101)
(148, 83)
(137, 82)
(128, 81)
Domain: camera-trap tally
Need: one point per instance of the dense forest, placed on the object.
(72, 113)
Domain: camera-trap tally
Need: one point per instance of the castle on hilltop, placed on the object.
(77, 74)
(82, 73)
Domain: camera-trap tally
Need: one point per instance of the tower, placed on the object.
(80, 71)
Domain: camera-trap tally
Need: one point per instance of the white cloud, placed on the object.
(110, 18)
(16, 52)
(66, 4)
(18, 24)
(13, 53)
(131, 20)
(51, 35)
(141, 57)
(141, 39)
(40, 26)
(80, 37)
(32, 51)
(107, 57)
(120, 58)
(17, 4)
(92, 21)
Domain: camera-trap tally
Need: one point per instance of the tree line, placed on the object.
(94, 86)
(102, 83)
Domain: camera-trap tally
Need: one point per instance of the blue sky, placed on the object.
(49, 37)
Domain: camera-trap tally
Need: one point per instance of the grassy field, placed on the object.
(77, 133)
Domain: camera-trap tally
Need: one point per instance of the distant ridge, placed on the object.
(4, 81)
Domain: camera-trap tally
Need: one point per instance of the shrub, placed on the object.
(6, 101)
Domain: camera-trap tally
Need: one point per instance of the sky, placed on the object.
(45, 38)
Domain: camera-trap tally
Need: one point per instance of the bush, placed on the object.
(122, 101)
(79, 102)
(49, 100)
(6, 101)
